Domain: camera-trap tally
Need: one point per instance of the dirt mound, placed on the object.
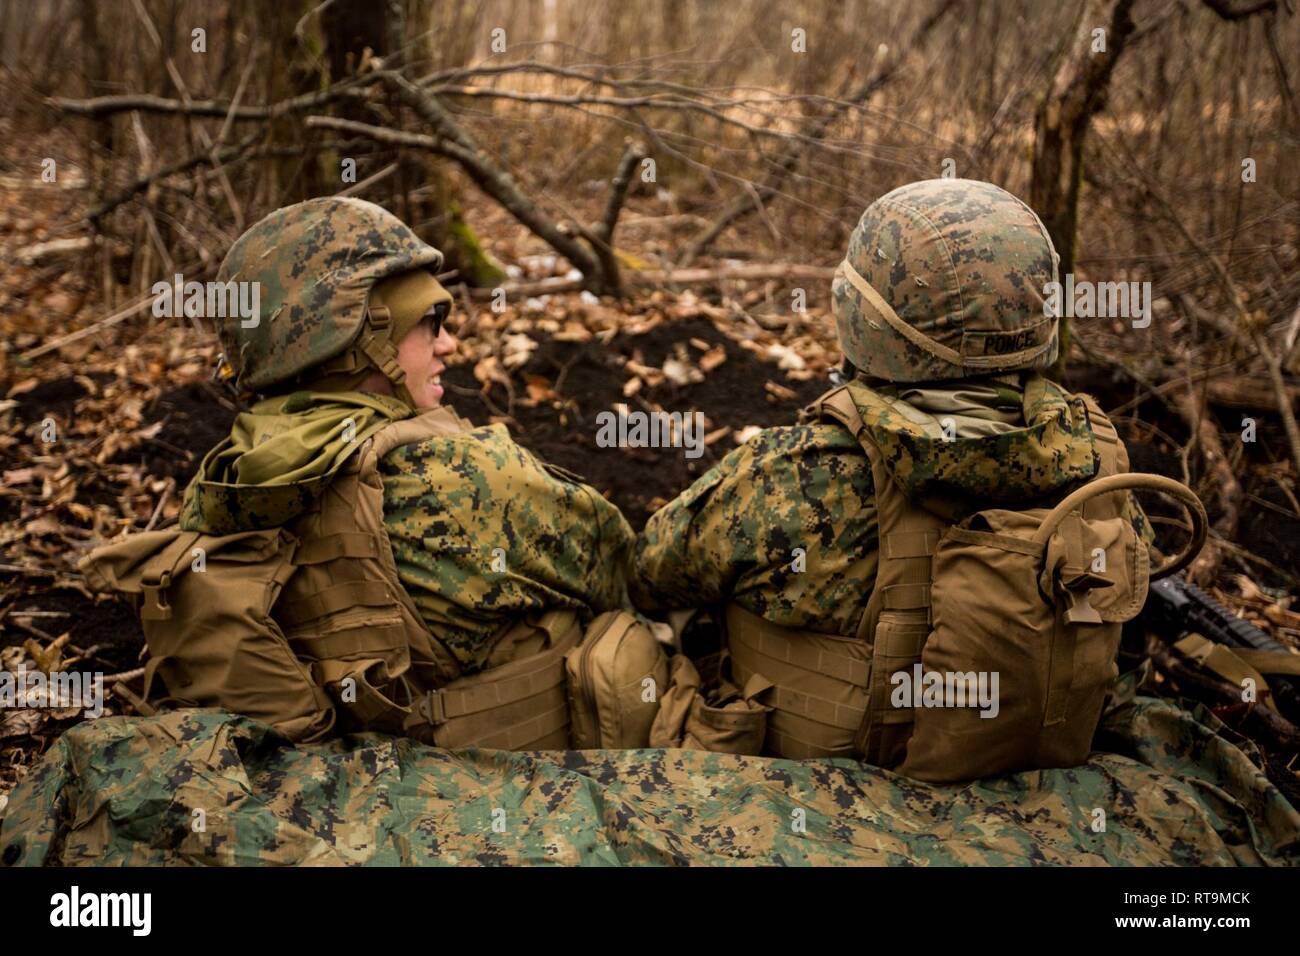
(588, 378)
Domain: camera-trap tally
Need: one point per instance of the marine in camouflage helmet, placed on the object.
(317, 263)
(932, 268)
(481, 531)
(944, 279)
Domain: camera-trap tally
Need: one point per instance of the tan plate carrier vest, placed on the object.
(832, 694)
(307, 625)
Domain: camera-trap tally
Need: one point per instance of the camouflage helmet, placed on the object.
(316, 263)
(945, 279)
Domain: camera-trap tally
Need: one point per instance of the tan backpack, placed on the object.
(308, 628)
(986, 646)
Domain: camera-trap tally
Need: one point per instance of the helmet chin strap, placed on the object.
(374, 351)
(376, 344)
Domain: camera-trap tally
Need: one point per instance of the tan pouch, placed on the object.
(615, 678)
(721, 719)
(1043, 650)
(519, 703)
(205, 606)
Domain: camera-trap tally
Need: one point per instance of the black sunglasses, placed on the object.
(438, 315)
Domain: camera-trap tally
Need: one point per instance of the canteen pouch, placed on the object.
(722, 718)
(1040, 657)
(615, 679)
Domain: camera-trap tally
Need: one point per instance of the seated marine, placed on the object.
(939, 307)
(427, 575)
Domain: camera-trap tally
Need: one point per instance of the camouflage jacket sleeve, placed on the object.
(785, 524)
(484, 532)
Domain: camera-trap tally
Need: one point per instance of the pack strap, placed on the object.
(340, 597)
(544, 671)
(838, 405)
(371, 706)
(347, 544)
(440, 422)
(526, 734)
(1238, 665)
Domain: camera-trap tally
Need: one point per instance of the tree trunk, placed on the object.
(1077, 92)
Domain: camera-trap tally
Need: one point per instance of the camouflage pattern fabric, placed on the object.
(483, 532)
(123, 791)
(1054, 448)
(315, 262)
(962, 262)
(733, 533)
(735, 530)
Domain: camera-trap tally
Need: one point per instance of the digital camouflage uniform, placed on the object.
(1000, 436)
(482, 532)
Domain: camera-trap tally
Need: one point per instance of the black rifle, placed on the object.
(1175, 608)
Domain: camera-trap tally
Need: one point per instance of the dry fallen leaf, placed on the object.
(21, 722)
(516, 350)
(780, 392)
(786, 357)
(712, 358)
(539, 389)
(488, 370)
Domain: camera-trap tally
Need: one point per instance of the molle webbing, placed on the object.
(819, 683)
(520, 705)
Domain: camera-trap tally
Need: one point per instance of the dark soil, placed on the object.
(195, 418)
(591, 378)
(109, 622)
(55, 399)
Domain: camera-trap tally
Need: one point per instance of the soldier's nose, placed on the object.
(445, 343)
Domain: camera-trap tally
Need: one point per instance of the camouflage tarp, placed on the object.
(1170, 790)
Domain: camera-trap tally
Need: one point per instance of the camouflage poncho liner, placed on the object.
(1174, 788)
(482, 531)
(1016, 438)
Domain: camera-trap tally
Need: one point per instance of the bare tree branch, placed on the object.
(743, 205)
(633, 154)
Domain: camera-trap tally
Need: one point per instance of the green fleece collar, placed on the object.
(279, 457)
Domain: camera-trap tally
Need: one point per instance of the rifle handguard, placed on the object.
(1195, 510)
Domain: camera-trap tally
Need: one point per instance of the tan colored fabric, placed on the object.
(615, 679)
(408, 296)
(210, 633)
(819, 698)
(521, 703)
(709, 712)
